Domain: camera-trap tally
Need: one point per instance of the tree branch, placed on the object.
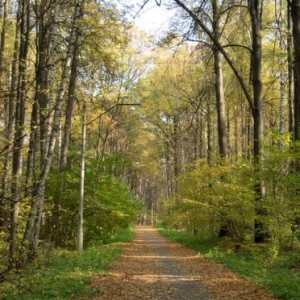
(222, 50)
(237, 45)
(109, 109)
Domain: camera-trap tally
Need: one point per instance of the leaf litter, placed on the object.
(154, 268)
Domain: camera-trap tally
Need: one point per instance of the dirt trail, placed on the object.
(157, 269)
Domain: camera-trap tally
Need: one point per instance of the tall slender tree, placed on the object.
(20, 97)
(8, 112)
(82, 175)
(222, 128)
(290, 67)
(295, 6)
(71, 91)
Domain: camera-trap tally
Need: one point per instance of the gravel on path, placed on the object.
(155, 268)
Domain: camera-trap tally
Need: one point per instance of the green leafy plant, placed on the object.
(63, 274)
(216, 196)
(108, 207)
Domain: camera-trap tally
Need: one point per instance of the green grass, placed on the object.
(63, 274)
(279, 274)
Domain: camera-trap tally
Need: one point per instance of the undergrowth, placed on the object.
(63, 274)
(279, 274)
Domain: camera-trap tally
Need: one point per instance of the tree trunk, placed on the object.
(209, 134)
(282, 75)
(222, 129)
(8, 115)
(255, 8)
(42, 71)
(3, 42)
(31, 157)
(71, 98)
(176, 155)
(82, 173)
(19, 128)
(256, 58)
(296, 37)
(290, 68)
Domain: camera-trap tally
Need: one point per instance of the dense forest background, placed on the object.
(103, 126)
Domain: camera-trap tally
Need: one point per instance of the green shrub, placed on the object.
(63, 274)
(212, 197)
(108, 207)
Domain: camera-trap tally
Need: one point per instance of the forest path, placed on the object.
(155, 268)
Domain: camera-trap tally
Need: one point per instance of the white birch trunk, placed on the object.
(82, 173)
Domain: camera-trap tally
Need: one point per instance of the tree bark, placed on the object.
(222, 128)
(296, 38)
(209, 133)
(71, 94)
(44, 27)
(7, 117)
(255, 9)
(82, 173)
(282, 76)
(24, 29)
(3, 42)
(31, 157)
(290, 69)
(176, 155)
(256, 59)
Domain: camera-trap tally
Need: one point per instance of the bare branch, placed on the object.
(109, 109)
(222, 50)
(141, 8)
(238, 46)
